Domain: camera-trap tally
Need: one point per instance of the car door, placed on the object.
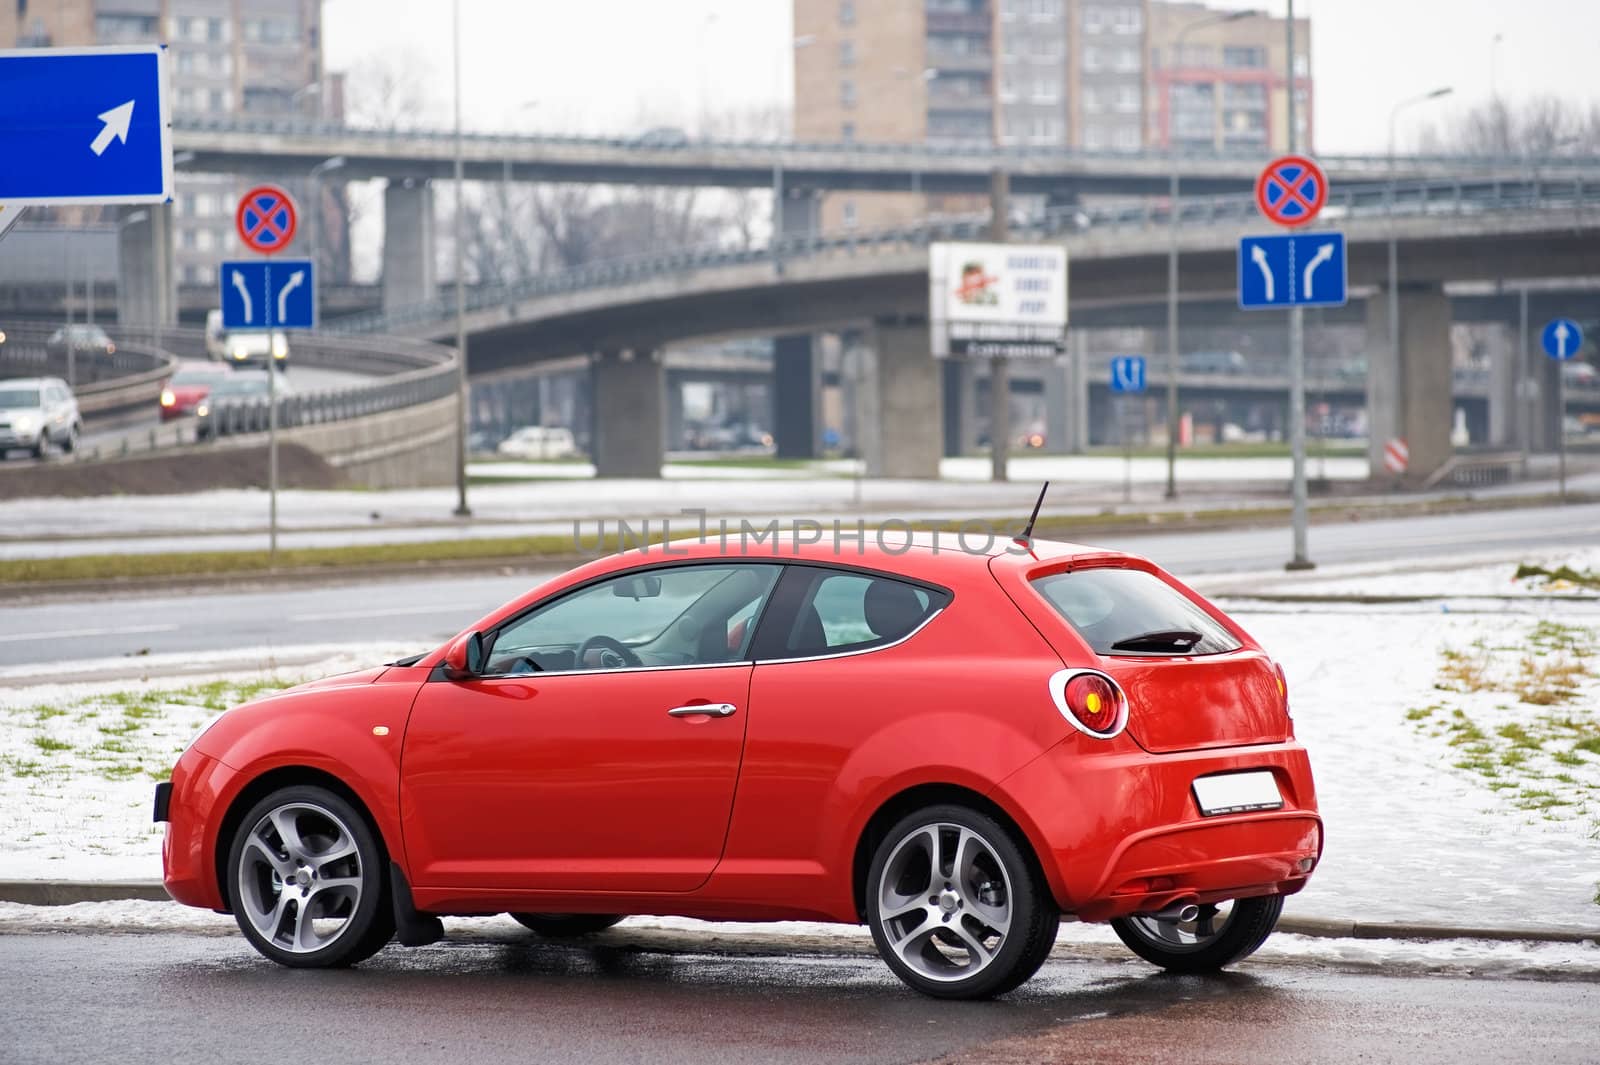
(600, 748)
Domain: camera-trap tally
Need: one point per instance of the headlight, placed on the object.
(2, 336)
(25, 423)
(203, 409)
(111, 349)
(167, 398)
(280, 347)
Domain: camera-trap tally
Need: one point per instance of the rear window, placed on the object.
(1131, 612)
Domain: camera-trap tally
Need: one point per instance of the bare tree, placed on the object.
(1542, 126)
(388, 90)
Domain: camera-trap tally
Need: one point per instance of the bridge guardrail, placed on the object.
(419, 373)
(1377, 164)
(1410, 199)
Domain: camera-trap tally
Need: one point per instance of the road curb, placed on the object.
(68, 892)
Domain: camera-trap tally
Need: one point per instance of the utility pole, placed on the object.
(1301, 509)
(462, 510)
(999, 377)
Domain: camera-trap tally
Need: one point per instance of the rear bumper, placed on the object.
(1119, 831)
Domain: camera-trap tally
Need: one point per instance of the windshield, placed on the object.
(11, 398)
(1130, 611)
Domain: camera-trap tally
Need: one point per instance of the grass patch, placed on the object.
(1561, 577)
(51, 744)
(1535, 742)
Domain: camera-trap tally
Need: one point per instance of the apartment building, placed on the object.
(1224, 86)
(228, 57)
(1098, 75)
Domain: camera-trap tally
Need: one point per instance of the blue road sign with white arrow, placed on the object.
(1561, 339)
(1127, 373)
(262, 294)
(84, 125)
(1298, 270)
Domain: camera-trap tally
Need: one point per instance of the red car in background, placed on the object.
(955, 747)
(188, 386)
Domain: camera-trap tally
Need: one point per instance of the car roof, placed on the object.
(893, 548)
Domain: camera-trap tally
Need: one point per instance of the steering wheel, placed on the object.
(612, 652)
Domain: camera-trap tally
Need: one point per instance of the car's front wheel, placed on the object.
(566, 925)
(957, 908)
(1221, 934)
(306, 880)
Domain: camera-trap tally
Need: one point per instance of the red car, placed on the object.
(956, 747)
(188, 386)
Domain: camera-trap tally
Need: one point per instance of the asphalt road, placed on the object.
(421, 611)
(171, 999)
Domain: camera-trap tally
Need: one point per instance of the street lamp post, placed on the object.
(1172, 248)
(462, 510)
(1397, 375)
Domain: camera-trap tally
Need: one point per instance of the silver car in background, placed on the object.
(36, 412)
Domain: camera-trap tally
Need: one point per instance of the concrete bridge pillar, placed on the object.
(795, 391)
(1409, 392)
(147, 293)
(1502, 421)
(629, 404)
(408, 250)
(904, 388)
(1545, 432)
(1066, 399)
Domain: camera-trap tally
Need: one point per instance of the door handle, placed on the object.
(708, 709)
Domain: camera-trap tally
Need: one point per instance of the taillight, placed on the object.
(1283, 686)
(1091, 702)
(167, 398)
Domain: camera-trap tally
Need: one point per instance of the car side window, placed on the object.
(688, 615)
(837, 612)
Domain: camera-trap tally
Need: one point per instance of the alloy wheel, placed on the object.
(300, 877)
(945, 901)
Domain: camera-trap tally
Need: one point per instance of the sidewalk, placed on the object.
(70, 892)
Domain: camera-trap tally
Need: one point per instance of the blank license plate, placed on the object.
(1233, 793)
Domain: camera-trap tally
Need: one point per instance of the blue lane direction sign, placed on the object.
(84, 125)
(1561, 339)
(1127, 373)
(1298, 270)
(262, 294)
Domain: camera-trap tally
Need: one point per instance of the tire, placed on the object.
(1191, 947)
(43, 446)
(331, 841)
(70, 443)
(566, 925)
(958, 874)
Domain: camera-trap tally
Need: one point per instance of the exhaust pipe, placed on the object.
(1178, 912)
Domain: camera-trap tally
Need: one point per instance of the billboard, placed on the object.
(998, 300)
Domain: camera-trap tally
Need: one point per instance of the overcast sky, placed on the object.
(632, 64)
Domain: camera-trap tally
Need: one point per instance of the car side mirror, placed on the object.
(640, 586)
(463, 659)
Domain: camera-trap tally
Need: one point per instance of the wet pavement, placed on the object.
(171, 999)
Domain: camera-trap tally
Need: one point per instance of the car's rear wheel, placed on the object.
(306, 880)
(566, 925)
(956, 907)
(1220, 935)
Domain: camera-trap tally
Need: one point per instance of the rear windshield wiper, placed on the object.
(1160, 640)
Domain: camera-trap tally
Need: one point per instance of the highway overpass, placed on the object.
(625, 312)
(287, 147)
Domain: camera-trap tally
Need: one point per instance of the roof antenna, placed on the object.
(1026, 536)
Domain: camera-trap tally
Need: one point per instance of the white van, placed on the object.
(245, 348)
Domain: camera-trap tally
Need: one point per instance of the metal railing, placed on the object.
(1423, 199)
(417, 373)
(964, 150)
